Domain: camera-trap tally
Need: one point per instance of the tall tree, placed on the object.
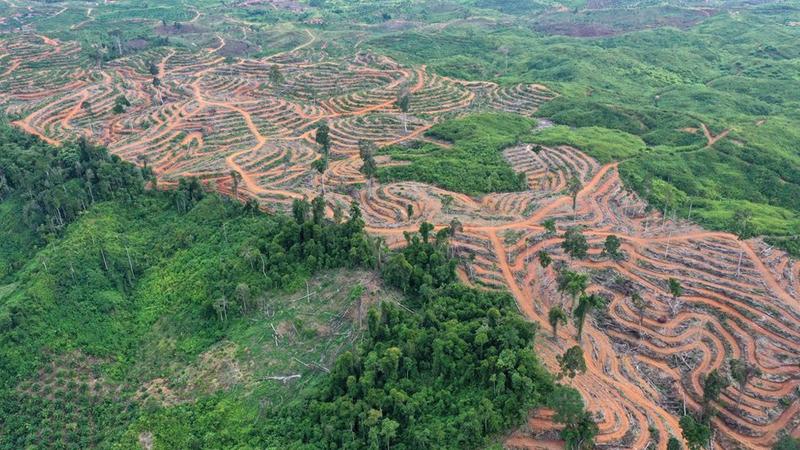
(713, 385)
(742, 372)
(369, 168)
(571, 362)
(545, 259)
(318, 209)
(574, 187)
(275, 76)
(87, 106)
(556, 316)
(611, 247)
(549, 227)
(236, 177)
(572, 283)
(580, 435)
(586, 304)
(142, 159)
(157, 85)
(322, 136)
(455, 227)
(641, 305)
(675, 290)
(243, 296)
(696, 433)
(575, 244)
(321, 165)
(744, 229)
(403, 103)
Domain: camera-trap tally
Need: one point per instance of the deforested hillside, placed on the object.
(400, 223)
(183, 319)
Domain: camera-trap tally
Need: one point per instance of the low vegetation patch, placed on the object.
(474, 163)
(603, 144)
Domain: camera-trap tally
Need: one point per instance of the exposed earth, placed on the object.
(212, 113)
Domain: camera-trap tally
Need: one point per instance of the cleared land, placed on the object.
(208, 116)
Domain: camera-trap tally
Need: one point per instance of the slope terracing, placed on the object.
(740, 300)
(208, 117)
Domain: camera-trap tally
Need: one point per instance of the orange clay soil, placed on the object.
(208, 118)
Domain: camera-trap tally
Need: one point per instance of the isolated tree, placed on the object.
(675, 290)
(142, 159)
(120, 103)
(674, 444)
(409, 210)
(153, 69)
(696, 433)
(571, 362)
(611, 247)
(640, 304)
(574, 187)
(403, 103)
(572, 283)
(549, 226)
(366, 151)
(157, 85)
(556, 316)
(455, 227)
(370, 169)
(568, 405)
(366, 148)
(87, 106)
(275, 76)
(713, 385)
(545, 259)
(236, 177)
(575, 244)
(743, 227)
(322, 136)
(742, 372)
(321, 165)
(586, 304)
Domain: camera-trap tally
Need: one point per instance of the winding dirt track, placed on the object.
(208, 118)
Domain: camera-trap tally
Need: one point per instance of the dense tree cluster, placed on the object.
(58, 183)
(445, 375)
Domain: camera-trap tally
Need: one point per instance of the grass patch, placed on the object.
(474, 164)
(603, 144)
